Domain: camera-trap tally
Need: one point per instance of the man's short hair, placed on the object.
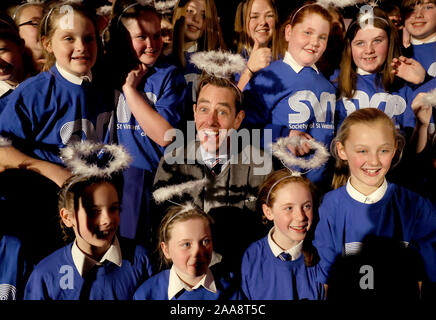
(222, 83)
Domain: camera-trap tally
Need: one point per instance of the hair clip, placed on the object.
(90, 159)
(430, 98)
(166, 193)
(288, 159)
(220, 64)
(4, 142)
(165, 7)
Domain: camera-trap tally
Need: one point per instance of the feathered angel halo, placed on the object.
(4, 142)
(430, 98)
(164, 7)
(86, 158)
(221, 64)
(339, 3)
(281, 151)
(104, 10)
(166, 193)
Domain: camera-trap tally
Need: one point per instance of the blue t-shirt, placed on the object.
(370, 94)
(280, 100)
(164, 89)
(401, 215)
(13, 268)
(56, 276)
(46, 112)
(266, 277)
(425, 54)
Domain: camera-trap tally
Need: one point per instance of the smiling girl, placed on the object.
(280, 265)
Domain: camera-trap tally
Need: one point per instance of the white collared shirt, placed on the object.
(175, 284)
(415, 41)
(374, 197)
(72, 77)
(362, 72)
(192, 48)
(289, 59)
(207, 157)
(85, 263)
(5, 88)
(295, 251)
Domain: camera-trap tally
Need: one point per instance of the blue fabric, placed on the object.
(156, 288)
(46, 112)
(426, 55)
(56, 277)
(401, 215)
(370, 95)
(13, 268)
(279, 99)
(266, 277)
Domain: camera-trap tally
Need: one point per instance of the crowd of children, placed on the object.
(88, 102)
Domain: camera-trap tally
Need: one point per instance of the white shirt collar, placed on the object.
(72, 77)
(362, 72)
(374, 197)
(5, 87)
(295, 251)
(84, 263)
(207, 157)
(415, 41)
(175, 284)
(289, 59)
(193, 48)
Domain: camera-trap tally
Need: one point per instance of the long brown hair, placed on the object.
(212, 38)
(348, 74)
(267, 195)
(368, 116)
(242, 18)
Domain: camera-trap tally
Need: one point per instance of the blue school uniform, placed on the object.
(46, 112)
(266, 277)
(401, 215)
(425, 54)
(57, 278)
(280, 99)
(13, 268)
(156, 288)
(5, 90)
(164, 89)
(370, 94)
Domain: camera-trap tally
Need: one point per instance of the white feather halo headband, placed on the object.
(4, 142)
(166, 193)
(430, 98)
(339, 3)
(221, 64)
(165, 6)
(281, 151)
(91, 159)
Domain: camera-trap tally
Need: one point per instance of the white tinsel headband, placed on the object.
(281, 151)
(220, 64)
(166, 193)
(164, 7)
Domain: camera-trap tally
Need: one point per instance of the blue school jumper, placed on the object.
(156, 288)
(280, 100)
(164, 89)
(266, 277)
(56, 276)
(46, 112)
(370, 94)
(425, 54)
(401, 215)
(13, 268)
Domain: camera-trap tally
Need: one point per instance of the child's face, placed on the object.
(292, 214)
(421, 23)
(11, 63)
(29, 19)
(369, 49)
(167, 31)
(195, 20)
(307, 40)
(97, 218)
(145, 37)
(75, 49)
(190, 249)
(261, 22)
(369, 151)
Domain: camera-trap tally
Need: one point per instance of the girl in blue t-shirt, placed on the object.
(62, 104)
(185, 241)
(290, 96)
(280, 266)
(388, 227)
(96, 264)
(149, 98)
